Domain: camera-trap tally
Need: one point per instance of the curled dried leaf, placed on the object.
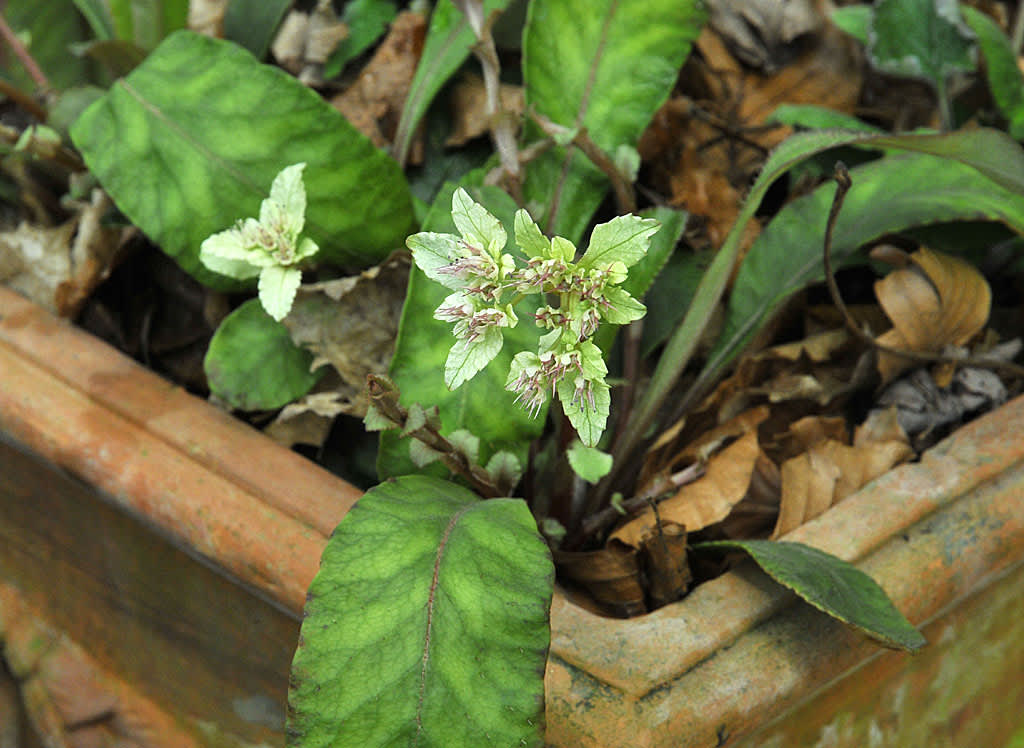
(936, 301)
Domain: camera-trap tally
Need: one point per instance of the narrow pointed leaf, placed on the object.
(833, 586)
(448, 43)
(427, 624)
(190, 142)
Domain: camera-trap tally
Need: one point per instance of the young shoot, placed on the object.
(271, 248)
(487, 283)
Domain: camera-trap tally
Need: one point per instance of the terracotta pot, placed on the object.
(174, 545)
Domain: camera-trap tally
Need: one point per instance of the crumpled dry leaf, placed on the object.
(794, 377)
(207, 16)
(308, 420)
(469, 108)
(611, 575)
(704, 502)
(351, 324)
(760, 32)
(304, 41)
(830, 470)
(373, 104)
(935, 301)
(59, 267)
(704, 151)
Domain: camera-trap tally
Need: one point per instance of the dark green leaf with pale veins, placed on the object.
(426, 626)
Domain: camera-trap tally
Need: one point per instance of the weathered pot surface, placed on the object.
(738, 657)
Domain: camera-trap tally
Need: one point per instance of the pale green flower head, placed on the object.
(270, 248)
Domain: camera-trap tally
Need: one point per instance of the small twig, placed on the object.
(658, 491)
(384, 396)
(23, 100)
(621, 186)
(844, 182)
(24, 56)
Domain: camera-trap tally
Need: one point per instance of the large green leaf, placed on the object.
(448, 43)
(190, 142)
(914, 189)
(252, 363)
(833, 586)
(606, 66)
(427, 625)
(991, 153)
(481, 405)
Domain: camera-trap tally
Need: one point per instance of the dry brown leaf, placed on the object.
(308, 420)
(830, 471)
(705, 501)
(351, 324)
(59, 267)
(611, 576)
(374, 102)
(469, 108)
(937, 301)
(808, 431)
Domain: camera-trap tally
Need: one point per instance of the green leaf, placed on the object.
(623, 307)
(367, 20)
(924, 39)
(915, 189)
(466, 358)
(812, 117)
(529, 237)
(481, 404)
(426, 625)
(1005, 80)
(589, 463)
(48, 30)
(993, 154)
(477, 226)
(670, 295)
(606, 66)
(448, 43)
(252, 363)
(253, 23)
(433, 251)
(855, 20)
(832, 586)
(589, 421)
(623, 239)
(97, 14)
(277, 288)
(192, 139)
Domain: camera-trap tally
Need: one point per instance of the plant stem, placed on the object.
(24, 56)
(625, 200)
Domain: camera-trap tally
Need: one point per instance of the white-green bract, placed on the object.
(271, 247)
(487, 282)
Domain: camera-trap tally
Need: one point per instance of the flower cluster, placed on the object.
(271, 247)
(567, 363)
